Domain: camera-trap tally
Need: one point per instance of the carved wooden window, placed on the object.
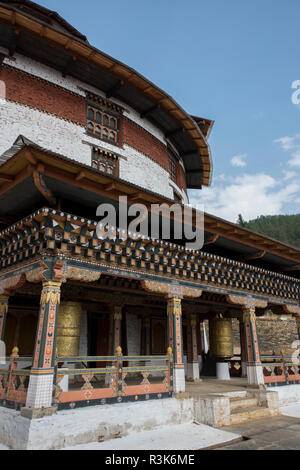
(105, 161)
(173, 168)
(103, 124)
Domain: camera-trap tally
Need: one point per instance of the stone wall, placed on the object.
(274, 333)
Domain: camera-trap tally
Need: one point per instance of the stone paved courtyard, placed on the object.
(278, 433)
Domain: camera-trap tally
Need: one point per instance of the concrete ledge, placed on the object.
(31, 413)
(287, 393)
(213, 410)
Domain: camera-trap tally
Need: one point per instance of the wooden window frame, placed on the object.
(102, 160)
(104, 124)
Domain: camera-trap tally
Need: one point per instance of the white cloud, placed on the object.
(292, 145)
(289, 174)
(295, 160)
(286, 143)
(239, 160)
(249, 195)
(257, 194)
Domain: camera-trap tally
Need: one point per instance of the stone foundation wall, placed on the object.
(74, 427)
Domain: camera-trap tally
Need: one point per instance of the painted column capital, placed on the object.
(117, 312)
(249, 314)
(193, 320)
(174, 306)
(50, 292)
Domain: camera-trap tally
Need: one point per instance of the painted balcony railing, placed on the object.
(112, 379)
(14, 380)
(280, 370)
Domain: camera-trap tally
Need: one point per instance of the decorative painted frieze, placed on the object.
(63, 237)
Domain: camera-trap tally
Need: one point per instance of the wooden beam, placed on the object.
(13, 43)
(173, 133)
(17, 179)
(114, 89)
(30, 157)
(149, 111)
(257, 255)
(6, 177)
(135, 196)
(42, 188)
(80, 176)
(295, 267)
(211, 240)
(189, 154)
(67, 69)
(110, 187)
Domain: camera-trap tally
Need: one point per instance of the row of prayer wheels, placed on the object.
(69, 322)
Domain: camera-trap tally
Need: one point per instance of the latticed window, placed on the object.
(103, 124)
(173, 168)
(105, 161)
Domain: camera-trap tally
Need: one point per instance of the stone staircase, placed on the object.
(246, 406)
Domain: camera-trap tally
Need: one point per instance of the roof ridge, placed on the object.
(46, 11)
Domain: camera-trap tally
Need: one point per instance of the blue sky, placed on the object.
(232, 61)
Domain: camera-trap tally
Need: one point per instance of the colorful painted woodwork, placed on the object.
(3, 313)
(49, 231)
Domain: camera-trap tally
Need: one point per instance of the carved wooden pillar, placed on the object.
(192, 360)
(174, 311)
(254, 367)
(41, 376)
(298, 326)
(202, 337)
(243, 349)
(116, 328)
(3, 314)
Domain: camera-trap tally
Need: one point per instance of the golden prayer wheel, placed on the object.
(221, 338)
(68, 329)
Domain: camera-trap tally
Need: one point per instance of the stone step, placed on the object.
(241, 415)
(247, 402)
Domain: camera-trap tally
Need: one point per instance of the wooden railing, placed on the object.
(14, 381)
(280, 370)
(117, 379)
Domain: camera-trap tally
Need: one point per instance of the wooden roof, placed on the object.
(39, 12)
